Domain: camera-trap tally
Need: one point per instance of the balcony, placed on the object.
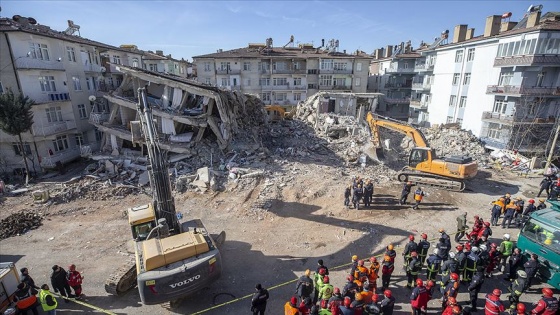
(397, 85)
(299, 87)
(98, 118)
(342, 87)
(423, 67)
(280, 87)
(283, 71)
(30, 63)
(419, 103)
(510, 119)
(399, 70)
(53, 128)
(523, 90)
(51, 98)
(531, 60)
(396, 100)
(343, 71)
(65, 156)
(228, 71)
(421, 86)
(91, 67)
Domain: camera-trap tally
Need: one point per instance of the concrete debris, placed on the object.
(19, 223)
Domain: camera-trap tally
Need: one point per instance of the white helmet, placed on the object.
(483, 247)
(452, 255)
(474, 249)
(436, 251)
(506, 237)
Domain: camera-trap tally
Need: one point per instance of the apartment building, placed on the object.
(158, 62)
(502, 85)
(64, 74)
(285, 75)
(391, 73)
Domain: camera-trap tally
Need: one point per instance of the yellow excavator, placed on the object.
(423, 166)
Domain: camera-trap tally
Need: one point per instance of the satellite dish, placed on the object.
(103, 69)
(92, 98)
(32, 21)
(16, 17)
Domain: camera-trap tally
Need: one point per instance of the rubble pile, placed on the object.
(19, 223)
(90, 188)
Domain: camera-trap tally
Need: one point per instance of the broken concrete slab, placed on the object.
(143, 179)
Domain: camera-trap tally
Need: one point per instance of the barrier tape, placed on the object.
(84, 304)
(294, 280)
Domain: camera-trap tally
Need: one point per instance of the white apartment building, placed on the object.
(284, 75)
(65, 75)
(502, 85)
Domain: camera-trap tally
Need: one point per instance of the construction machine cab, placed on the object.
(419, 155)
(142, 220)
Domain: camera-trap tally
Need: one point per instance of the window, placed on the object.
(71, 54)
(281, 96)
(47, 83)
(456, 78)
(467, 79)
(207, 66)
(224, 66)
(544, 234)
(500, 107)
(459, 121)
(265, 96)
(264, 66)
(279, 81)
(54, 114)
(493, 133)
(77, 84)
(248, 82)
(246, 66)
(279, 66)
(208, 81)
(452, 100)
(459, 56)
(325, 80)
(79, 139)
(98, 135)
(297, 81)
(297, 65)
(116, 59)
(339, 81)
(449, 119)
(327, 64)
(339, 66)
(359, 66)
(297, 96)
(264, 81)
(540, 78)
(82, 111)
(358, 81)
(505, 78)
(463, 101)
(153, 67)
(225, 81)
(470, 54)
(39, 51)
(17, 148)
(60, 143)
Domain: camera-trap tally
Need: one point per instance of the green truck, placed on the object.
(541, 235)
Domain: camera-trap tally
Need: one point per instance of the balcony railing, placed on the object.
(299, 87)
(53, 128)
(341, 87)
(399, 70)
(65, 156)
(280, 87)
(421, 86)
(530, 60)
(98, 118)
(523, 90)
(396, 100)
(228, 71)
(282, 71)
(91, 67)
(497, 116)
(419, 103)
(30, 63)
(397, 85)
(517, 120)
(52, 97)
(424, 67)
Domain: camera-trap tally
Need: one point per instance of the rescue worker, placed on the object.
(388, 303)
(419, 298)
(516, 288)
(367, 295)
(259, 299)
(391, 252)
(486, 232)
(321, 264)
(361, 274)
(462, 227)
(448, 310)
(25, 299)
(530, 208)
(430, 286)
(25, 277)
(59, 282)
(506, 248)
(508, 215)
(350, 288)
(358, 304)
(494, 259)
(545, 184)
(507, 199)
(368, 193)
(477, 227)
(304, 286)
(554, 191)
(515, 263)
(405, 192)
(418, 196)
(423, 248)
(457, 310)
(494, 305)
(495, 212)
(327, 290)
(305, 306)
(484, 256)
(433, 265)
(410, 247)
(448, 267)
(336, 298)
(47, 300)
(347, 195)
(447, 241)
(471, 264)
(521, 309)
(541, 205)
(75, 280)
(358, 195)
(475, 286)
(318, 283)
(451, 290)
(291, 307)
(373, 274)
(520, 203)
(531, 267)
(354, 264)
(443, 248)
(412, 270)
(386, 271)
(461, 259)
(346, 308)
(548, 305)
(373, 308)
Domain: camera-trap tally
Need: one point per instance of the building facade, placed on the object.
(284, 75)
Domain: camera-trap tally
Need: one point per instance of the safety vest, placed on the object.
(418, 194)
(290, 310)
(43, 298)
(326, 291)
(27, 301)
(551, 305)
(508, 247)
(493, 306)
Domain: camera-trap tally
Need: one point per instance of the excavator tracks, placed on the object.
(408, 175)
(123, 279)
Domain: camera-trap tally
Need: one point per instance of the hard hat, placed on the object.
(360, 262)
(522, 274)
(451, 300)
(474, 249)
(324, 304)
(541, 200)
(411, 237)
(459, 247)
(373, 259)
(336, 290)
(520, 308)
(483, 247)
(390, 247)
(293, 300)
(375, 297)
(518, 198)
(530, 201)
(548, 241)
(494, 245)
(431, 283)
(424, 235)
(441, 230)
(456, 309)
(419, 282)
(347, 301)
(506, 237)
(486, 223)
(72, 267)
(508, 195)
(547, 292)
(451, 255)
(414, 254)
(326, 279)
(436, 251)
(322, 271)
(502, 199)
(455, 276)
(468, 246)
(497, 292)
(350, 278)
(354, 257)
(388, 293)
(358, 296)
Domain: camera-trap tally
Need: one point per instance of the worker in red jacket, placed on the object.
(419, 298)
(494, 305)
(75, 280)
(548, 305)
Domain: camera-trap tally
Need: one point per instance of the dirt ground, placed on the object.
(302, 222)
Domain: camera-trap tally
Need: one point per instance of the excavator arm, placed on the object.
(375, 121)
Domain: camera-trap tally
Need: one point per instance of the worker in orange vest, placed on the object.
(373, 274)
(418, 195)
(291, 308)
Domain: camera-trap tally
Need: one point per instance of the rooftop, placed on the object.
(256, 51)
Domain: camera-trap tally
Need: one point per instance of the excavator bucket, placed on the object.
(374, 153)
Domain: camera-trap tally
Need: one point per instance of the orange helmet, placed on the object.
(387, 258)
(347, 302)
(419, 282)
(390, 247)
(547, 292)
(358, 296)
(520, 308)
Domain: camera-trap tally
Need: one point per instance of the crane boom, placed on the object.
(375, 121)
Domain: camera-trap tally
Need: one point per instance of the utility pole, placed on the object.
(551, 153)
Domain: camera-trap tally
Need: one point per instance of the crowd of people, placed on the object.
(29, 296)
(361, 191)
